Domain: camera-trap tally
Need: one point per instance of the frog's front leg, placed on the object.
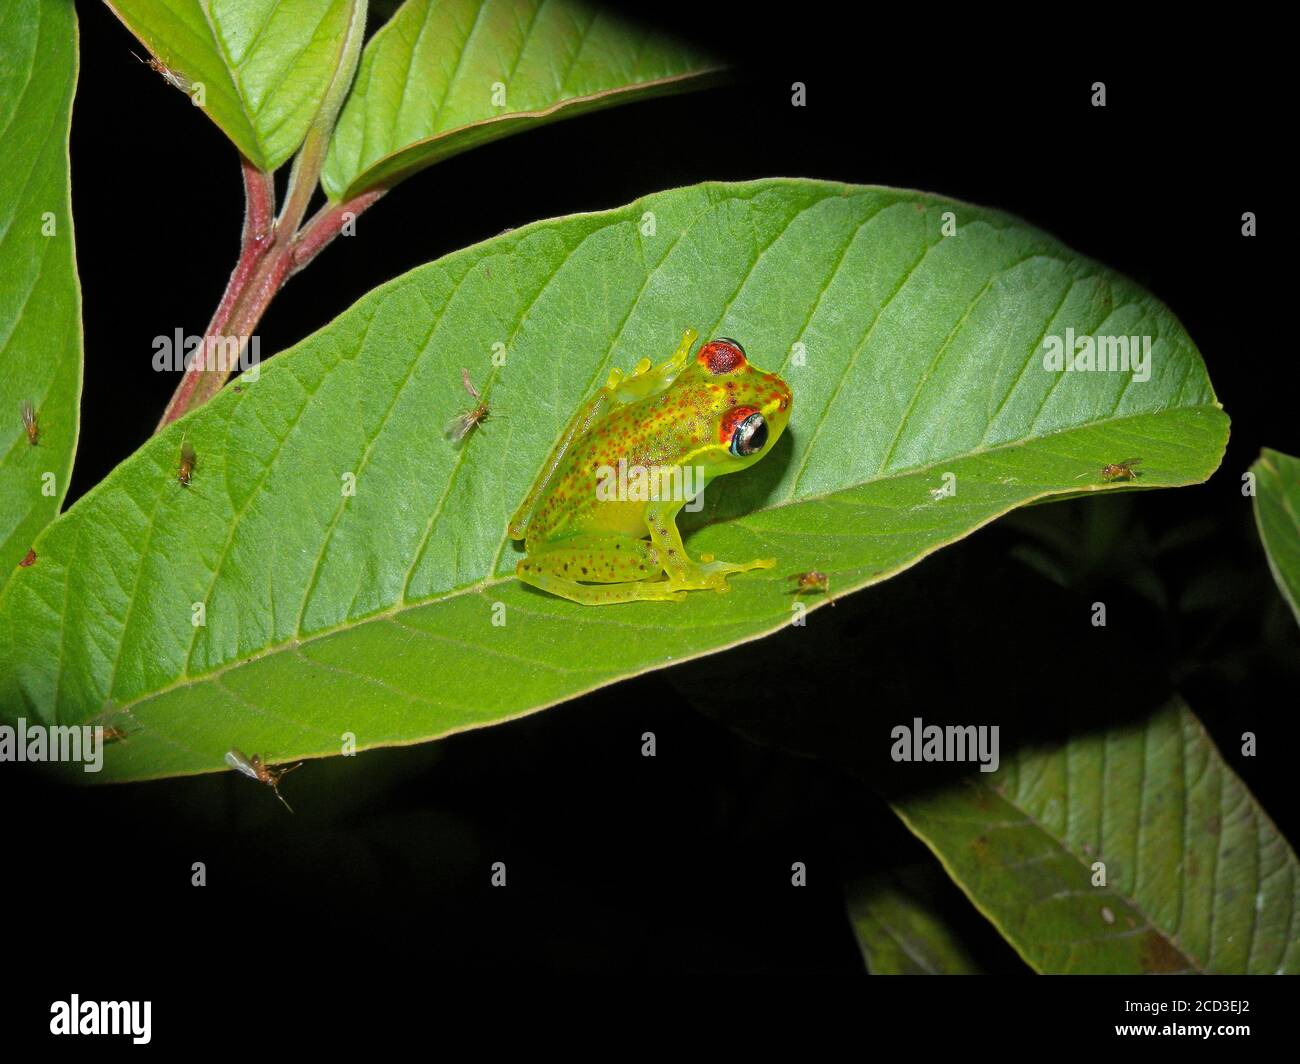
(618, 569)
(684, 574)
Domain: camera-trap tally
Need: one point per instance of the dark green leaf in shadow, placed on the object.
(900, 926)
(1277, 514)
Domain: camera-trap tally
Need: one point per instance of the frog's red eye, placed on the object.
(743, 430)
(721, 355)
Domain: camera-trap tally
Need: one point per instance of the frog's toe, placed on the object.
(710, 566)
(714, 575)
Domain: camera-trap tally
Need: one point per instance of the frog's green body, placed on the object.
(669, 429)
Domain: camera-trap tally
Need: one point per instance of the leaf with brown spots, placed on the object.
(1198, 878)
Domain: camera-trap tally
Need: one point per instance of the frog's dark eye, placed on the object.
(749, 436)
(721, 355)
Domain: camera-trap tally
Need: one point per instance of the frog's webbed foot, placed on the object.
(648, 379)
(707, 573)
(678, 358)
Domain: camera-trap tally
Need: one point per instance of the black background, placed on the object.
(681, 863)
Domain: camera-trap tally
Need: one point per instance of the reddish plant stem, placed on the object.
(326, 224)
(271, 252)
(259, 212)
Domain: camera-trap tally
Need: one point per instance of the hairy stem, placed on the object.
(326, 224)
(259, 212)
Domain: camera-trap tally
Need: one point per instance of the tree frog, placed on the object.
(599, 523)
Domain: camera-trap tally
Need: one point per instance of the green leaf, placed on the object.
(900, 927)
(446, 75)
(1198, 878)
(910, 354)
(265, 65)
(40, 300)
(1277, 513)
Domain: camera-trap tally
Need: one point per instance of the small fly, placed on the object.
(1121, 470)
(255, 769)
(172, 77)
(189, 462)
(467, 420)
(814, 580)
(114, 732)
(30, 425)
(1118, 471)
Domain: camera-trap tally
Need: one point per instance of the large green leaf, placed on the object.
(446, 75)
(374, 613)
(1277, 513)
(40, 299)
(265, 65)
(1198, 878)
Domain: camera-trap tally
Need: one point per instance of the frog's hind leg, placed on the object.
(595, 570)
(683, 573)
